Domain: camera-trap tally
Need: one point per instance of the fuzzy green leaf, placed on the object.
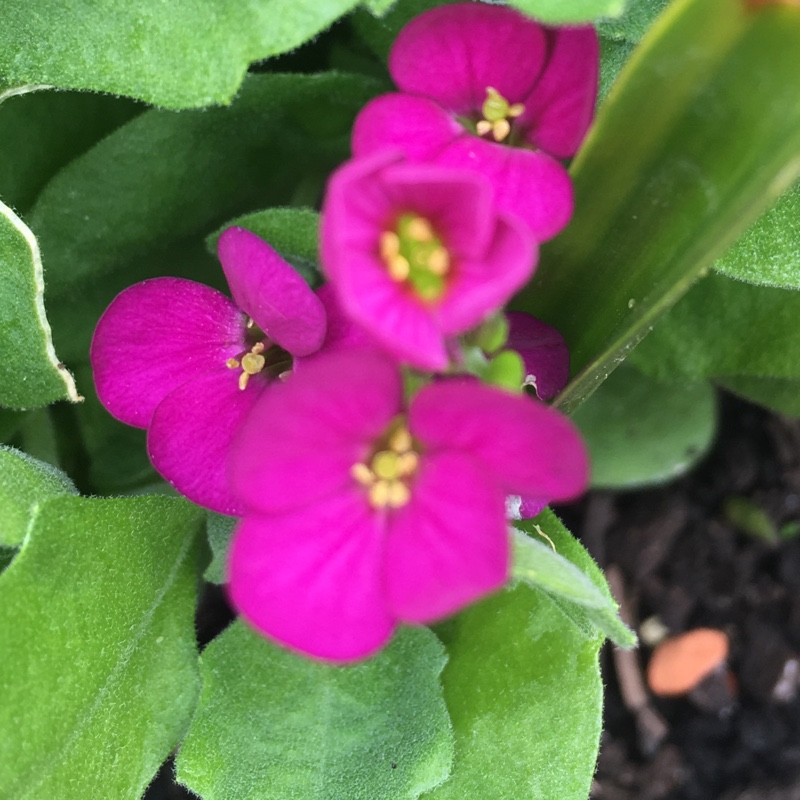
(98, 661)
(272, 724)
(24, 483)
(635, 22)
(293, 232)
(165, 176)
(30, 373)
(524, 692)
(641, 431)
(176, 55)
(662, 188)
(576, 594)
(42, 131)
(769, 252)
(562, 12)
(752, 331)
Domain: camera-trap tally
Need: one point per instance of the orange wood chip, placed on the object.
(680, 663)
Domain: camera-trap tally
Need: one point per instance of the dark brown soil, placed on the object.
(682, 561)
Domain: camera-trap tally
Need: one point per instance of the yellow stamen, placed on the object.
(407, 464)
(400, 440)
(363, 474)
(497, 112)
(243, 379)
(398, 494)
(501, 129)
(389, 246)
(379, 494)
(420, 230)
(232, 363)
(439, 261)
(399, 268)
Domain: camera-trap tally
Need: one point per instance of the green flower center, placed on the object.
(414, 253)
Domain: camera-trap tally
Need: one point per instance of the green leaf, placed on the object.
(168, 176)
(662, 189)
(176, 55)
(750, 518)
(769, 252)
(41, 131)
(378, 7)
(561, 12)
(24, 483)
(219, 529)
(30, 372)
(293, 232)
(540, 563)
(523, 688)
(98, 661)
(271, 724)
(641, 431)
(613, 57)
(779, 394)
(752, 331)
(635, 22)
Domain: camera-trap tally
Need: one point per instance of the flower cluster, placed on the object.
(374, 435)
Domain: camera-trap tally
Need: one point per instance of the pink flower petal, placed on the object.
(414, 126)
(454, 53)
(532, 449)
(268, 289)
(560, 108)
(155, 336)
(302, 438)
(449, 545)
(312, 580)
(481, 287)
(528, 184)
(192, 430)
(543, 350)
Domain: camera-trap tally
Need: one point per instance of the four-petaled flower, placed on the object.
(418, 253)
(362, 511)
(187, 363)
(485, 88)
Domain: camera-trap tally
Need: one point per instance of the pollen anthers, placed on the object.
(497, 112)
(386, 477)
(251, 363)
(414, 252)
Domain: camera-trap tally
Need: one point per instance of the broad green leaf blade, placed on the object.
(271, 724)
(539, 565)
(769, 252)
(166, 176)
(378, 7)
(176, 55)
(24, 483)
(293, 232)
(752, 331)
(523, 688)
(98, 661)
(41, 131)
(662, 184)
(219, 529)
(641, 431)
(779, 394)
(30, 373)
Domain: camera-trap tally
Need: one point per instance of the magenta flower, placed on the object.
(187, 363)
(418, 254)
(362, 512)
(485, 88)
